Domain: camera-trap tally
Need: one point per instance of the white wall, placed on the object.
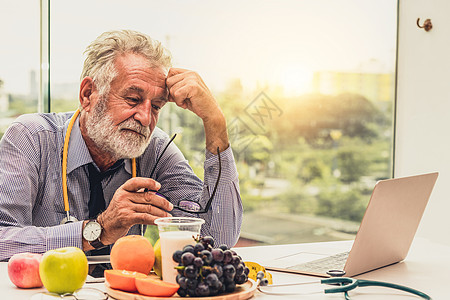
(423, 106)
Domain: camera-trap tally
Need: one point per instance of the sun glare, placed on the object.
(295, 80)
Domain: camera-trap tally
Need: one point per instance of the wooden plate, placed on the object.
(242, 292)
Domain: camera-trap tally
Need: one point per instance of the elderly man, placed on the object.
(85, 194)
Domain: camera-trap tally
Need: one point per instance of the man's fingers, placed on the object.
(150, 197)
(137, 183)
(182, 77)
(175, 71)
(150, 210)
(147, 219)
(148, 213)
(180, 94)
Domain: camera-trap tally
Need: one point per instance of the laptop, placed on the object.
(384, 236)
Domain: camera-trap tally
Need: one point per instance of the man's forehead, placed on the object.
(130, 64)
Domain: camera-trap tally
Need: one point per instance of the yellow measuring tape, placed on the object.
(255, 268)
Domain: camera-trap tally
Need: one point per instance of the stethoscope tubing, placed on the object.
(69, 218)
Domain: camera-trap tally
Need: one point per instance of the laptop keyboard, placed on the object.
(322, 265)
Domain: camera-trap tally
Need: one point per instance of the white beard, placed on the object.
(119, 143)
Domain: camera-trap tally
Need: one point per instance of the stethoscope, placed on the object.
(68, 218)
(344, 285)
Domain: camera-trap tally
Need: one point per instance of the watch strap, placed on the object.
(97, 244)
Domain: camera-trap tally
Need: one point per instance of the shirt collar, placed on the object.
(78, 154)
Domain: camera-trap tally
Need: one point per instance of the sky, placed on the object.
(275, 42)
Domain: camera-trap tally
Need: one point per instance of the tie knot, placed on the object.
(94, 174)
(97, 176)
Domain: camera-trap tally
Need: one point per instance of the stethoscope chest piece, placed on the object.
(69, 219)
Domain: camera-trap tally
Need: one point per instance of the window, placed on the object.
(19, 60)
(307, 88)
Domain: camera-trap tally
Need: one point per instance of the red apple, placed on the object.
(23, 270)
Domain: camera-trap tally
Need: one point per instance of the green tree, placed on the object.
(348, 205)
(315, 116)
(313, 168)
(352, 165)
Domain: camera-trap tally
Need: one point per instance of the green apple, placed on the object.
(63, 270)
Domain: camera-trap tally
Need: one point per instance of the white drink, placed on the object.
(172, 241)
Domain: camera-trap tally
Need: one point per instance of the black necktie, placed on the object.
(96, 202)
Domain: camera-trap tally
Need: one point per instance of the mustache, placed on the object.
(133, 125)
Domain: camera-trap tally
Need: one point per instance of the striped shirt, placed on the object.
(31, 195)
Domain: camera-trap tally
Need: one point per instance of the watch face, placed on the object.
(92, 231)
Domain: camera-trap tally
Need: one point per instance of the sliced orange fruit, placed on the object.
(122, 279)
(155, 287)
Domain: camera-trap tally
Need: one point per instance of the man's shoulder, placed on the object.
(158, 140)
(43, 121)
(159, 134)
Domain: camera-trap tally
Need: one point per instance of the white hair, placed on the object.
(101, 54)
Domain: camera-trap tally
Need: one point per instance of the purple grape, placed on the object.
(223, 247)
(240, 269)
(191, 284)
(235, 261)
(217, 254)
(182, 292)
(187, 258)
(207, 240)
(206, 256)
(191, 272)
(218, 270)
(182, 281)
(227, 256)
(198, 262)
(240, 279)
(188, 248)
(191, 292)
(198, 248)
(246, 271)
(229, 272)
(177, 256)
(207, 271)
(212, 280)
(202, 289)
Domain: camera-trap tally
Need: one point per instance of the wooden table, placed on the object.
(425, 268)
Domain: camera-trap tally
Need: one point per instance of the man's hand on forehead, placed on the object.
(188, 91)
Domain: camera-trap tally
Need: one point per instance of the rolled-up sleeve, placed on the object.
(224, 219)
(19, 195)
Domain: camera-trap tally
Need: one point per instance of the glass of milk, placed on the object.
(174, 234)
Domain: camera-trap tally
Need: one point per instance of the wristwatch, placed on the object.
(92, 232)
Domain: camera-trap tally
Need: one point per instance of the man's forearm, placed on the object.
(216, 133)
(38, 239)
(224, 220)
